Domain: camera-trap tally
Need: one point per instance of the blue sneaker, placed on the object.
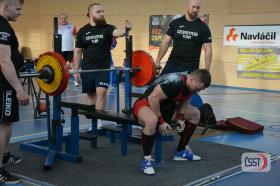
(147, 167)
(186, 154)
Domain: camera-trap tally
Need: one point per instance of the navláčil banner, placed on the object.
(258, 52)
(252, 35)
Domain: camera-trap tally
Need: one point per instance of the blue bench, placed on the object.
(124, 119)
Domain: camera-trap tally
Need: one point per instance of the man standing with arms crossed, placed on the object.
(11, 90)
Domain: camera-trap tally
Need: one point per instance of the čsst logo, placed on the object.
(256, 162)
(232, 35)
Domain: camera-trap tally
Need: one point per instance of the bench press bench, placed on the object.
(124, 119)
(52, 147)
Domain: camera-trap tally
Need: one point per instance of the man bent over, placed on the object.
(170, 96)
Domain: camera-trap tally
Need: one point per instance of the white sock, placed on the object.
(148, 157)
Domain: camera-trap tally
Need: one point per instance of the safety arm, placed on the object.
(163, 48)
(208, 55)
(8, 68)
(154, 99)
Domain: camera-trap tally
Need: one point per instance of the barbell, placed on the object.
(52, 73)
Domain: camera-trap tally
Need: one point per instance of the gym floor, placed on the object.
(258, 106)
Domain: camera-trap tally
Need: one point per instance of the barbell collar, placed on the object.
(46, 74)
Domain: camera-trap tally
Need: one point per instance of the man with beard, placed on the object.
(167, 97)
(189, 35)
(93, 43)
(11, 91)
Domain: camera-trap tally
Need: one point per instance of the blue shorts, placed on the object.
(90, 81)
(9, 109)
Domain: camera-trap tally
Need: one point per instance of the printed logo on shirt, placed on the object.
(187, 34)
(4, 36)
(88, 33)
(94, 39)
(181, 26)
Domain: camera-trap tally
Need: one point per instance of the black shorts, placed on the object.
(8, 106)
(171, 67)
(68, 55)
(90, 81)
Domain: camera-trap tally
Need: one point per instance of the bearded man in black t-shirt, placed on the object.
(93, 44)
(189, 35)
(166, 99)
(11, 91)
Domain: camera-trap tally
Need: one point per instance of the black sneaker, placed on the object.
(10, 159)
(7, 178)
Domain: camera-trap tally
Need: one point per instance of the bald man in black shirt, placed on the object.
(189, 35)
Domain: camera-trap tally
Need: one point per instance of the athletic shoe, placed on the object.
(147, 167)
(76, 83)
(10, 159)
(7, 178)
(186, 154)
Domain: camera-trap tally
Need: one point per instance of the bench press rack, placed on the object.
(72, 149)
(52, 146)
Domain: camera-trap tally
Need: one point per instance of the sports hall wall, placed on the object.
(35, 27)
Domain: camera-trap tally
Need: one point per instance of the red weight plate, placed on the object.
(148, 69)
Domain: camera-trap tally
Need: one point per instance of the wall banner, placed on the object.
(252, 36)
(157, 29)
(258, 63)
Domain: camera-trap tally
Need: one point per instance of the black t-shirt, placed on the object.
(8, 37)
(188, 37)
(173, 85)
(96, 44)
